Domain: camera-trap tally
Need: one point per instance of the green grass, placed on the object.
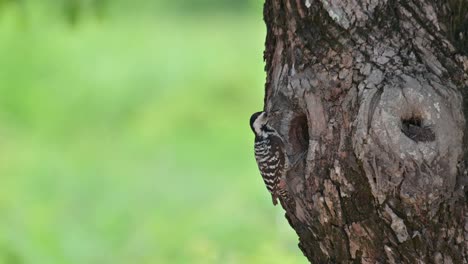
(127, 141)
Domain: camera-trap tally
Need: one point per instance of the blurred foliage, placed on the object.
(210, 5)
(74, 10)
(126, 139)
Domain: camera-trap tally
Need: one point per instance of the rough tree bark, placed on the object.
(375, 92)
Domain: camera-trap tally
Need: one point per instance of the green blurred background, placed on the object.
(124, 134)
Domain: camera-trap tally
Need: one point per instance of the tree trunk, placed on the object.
(375, 93)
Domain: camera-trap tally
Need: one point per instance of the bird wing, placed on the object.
(271, 161)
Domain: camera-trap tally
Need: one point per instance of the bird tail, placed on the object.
(274, 198)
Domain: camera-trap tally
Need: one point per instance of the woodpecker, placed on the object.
(270, 155)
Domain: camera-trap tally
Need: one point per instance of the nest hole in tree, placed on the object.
(414, 128)
(299, 134)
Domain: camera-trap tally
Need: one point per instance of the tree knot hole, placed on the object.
(299, 137)
(414, 128)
